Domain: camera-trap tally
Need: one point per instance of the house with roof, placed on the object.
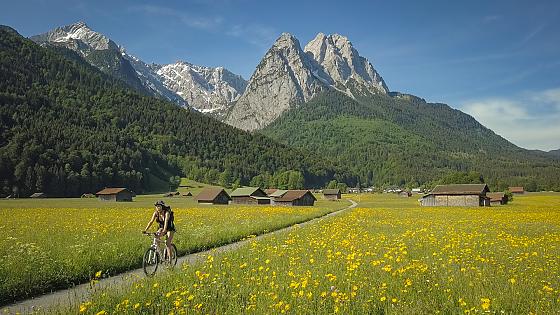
(459, 195)
(497, 198)
(277, 193)
(249, 196)
(331, 194)
(114, 194)
(295, 198)
(213, 195)
(516, 190)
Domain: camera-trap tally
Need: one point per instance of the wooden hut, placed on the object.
(114, 194)
(497, 198)
(278, 193)
(213, 195)
(38, 195)
(249, 196)
(405, 193)
(295, 198)
(331, 194)
(460, 195)
(270, 191)
(187, 194)
(517, 190)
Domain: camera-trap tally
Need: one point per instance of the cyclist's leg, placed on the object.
(168, 243)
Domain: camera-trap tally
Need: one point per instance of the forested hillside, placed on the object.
(66, 128)
(402, 140)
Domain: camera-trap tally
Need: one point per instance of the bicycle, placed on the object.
(157, 254)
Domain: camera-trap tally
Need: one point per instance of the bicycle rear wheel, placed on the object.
(150, 262)
(172, 261)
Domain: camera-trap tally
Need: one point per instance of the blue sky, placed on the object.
(496, 60)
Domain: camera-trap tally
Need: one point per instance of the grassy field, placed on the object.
(54, 243)
(389, 256)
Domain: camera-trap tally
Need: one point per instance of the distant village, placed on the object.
(461, 195)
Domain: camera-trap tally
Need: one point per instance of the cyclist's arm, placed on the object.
(151, 221)
(165, 224)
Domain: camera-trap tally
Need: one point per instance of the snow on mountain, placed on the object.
(210, 90)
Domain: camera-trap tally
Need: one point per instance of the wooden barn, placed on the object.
(270, 191)
(295, 198)
(331, 194)
(517, 190)
(213, 195)
(38, 195)
(278, 193)
(405, 194)
(249, 196)
(114, 194)
(497, 198)
(457, 195)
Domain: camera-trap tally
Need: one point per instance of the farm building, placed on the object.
(249, 196)
(187, 194)
(460, 195)
(497, 198)
(213, 195)
(331, 194)
(278, 193)
(517, 190)
(405, 193)
(38, 195)
(270, 191)
(114, 194)
(295, 198)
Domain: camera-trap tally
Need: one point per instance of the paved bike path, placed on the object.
(80, 293)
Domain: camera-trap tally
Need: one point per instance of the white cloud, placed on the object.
(258, 35)
(194, 21)
(530, 120)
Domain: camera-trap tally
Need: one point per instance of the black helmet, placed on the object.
(159, 203)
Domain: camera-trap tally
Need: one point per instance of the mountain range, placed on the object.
(67, 128)
(327, 100)
(206, 89)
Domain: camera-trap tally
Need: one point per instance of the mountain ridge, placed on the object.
(68, 128)
(407, 141)
(295, 75)
(222, 86)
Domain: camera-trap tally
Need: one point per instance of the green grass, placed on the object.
(389, 257)
(54, 243)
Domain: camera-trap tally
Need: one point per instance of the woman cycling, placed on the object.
(163, 215)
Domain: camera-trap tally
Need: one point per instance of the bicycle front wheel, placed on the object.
(150, 262)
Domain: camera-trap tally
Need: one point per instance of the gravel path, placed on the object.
(82, 292)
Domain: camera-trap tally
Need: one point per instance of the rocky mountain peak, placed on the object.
(78, 31)
(288, 76)
(341, 61)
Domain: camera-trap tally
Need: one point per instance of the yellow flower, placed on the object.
(512, 280)
(98, 274)
(383, 299)
(103, 312)
(485, 303)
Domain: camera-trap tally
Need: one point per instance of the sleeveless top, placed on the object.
(170, 224)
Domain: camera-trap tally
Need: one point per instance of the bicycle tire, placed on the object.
(150, 262)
